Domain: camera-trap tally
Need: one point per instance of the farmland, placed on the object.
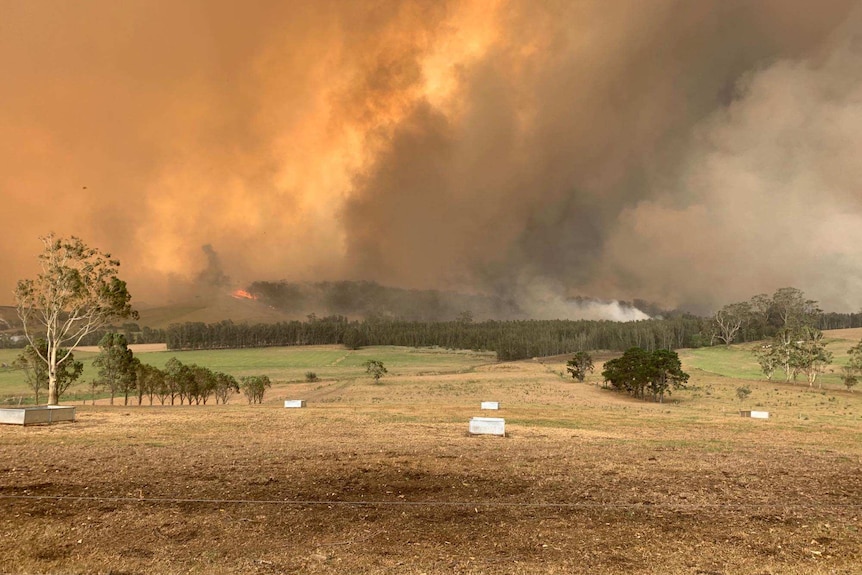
(384, 478)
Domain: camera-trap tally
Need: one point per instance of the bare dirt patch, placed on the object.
(384, 479)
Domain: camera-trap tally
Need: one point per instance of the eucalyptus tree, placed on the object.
(36, 371)
(254, 386)
(76, 293)
(809, 354)
(730, 319)
(225, 385)
(791, 310)
(579, 365)
(205, 383)
(150, 382)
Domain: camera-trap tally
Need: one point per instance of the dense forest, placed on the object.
(509, 339)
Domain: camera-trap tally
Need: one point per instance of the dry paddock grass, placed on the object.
(384, 479)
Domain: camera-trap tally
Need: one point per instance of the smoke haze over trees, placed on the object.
(685, 153)
(370, 299)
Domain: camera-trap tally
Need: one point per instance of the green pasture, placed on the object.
(288, 364)
(739, 362)
(281, 364)
(736, 361)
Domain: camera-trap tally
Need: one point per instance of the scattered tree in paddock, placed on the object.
(852, 372)
(795, 351)
(376, 369)
(254, 386)
(809, 355)
(76, 293)
(579, 365)
(768, 360)
(848, 377)
(311, 377)
(742, 392)
(639, 372)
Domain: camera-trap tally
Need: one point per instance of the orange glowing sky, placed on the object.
(483, 145)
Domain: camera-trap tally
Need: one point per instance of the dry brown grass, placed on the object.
(384, 479)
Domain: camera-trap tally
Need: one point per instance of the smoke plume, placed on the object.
(688, 153)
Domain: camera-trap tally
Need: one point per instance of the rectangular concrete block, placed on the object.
(38, 414)
(488, 426)
(294, 403)
(490, 405)
(755, 414)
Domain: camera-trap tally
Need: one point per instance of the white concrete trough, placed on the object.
(755, 414)
(36, 415)
(490, 405)
(294, 403)
(488, 426)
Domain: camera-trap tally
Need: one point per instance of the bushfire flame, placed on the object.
(242, 294)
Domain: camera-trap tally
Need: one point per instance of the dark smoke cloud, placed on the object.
(689, 153)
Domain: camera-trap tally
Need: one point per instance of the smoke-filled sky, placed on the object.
(687, 153)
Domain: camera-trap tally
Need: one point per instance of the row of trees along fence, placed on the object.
(511, 340)
(121, 374)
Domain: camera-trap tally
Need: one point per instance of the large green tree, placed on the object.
(76, 293)
(639, 371)
(666, 373)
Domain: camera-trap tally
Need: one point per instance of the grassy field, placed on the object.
(384, 478)
(281, 364)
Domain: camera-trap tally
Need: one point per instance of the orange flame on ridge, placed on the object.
(242, 294)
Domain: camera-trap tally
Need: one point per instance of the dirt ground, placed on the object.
(385, 479)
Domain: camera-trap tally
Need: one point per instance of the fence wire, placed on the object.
(585, 505)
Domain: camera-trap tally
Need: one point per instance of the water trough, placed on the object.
(45, 414)
(488, 426)
(755, 414)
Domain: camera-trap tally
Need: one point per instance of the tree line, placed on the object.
(511, 340)
(133, 332)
